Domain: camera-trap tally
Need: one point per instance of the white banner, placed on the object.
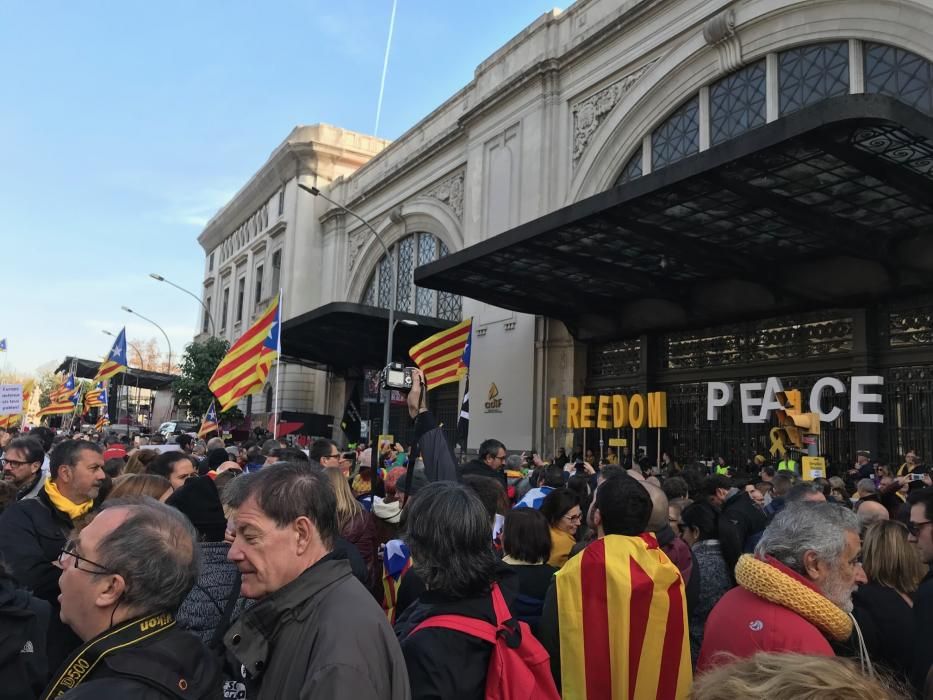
(11, 399)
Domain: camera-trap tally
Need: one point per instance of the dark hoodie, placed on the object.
(24, 620)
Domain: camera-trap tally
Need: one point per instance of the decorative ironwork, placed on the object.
(614, 359)
(406, 265)
(898, 73)
(632, 168)
(809, 74)
(763, 341)
(678, 136)
(385, 281)
(737, 103)
(425, 299)
(369, 297)
(449, 306)
(898, 146)
(908, 412)
(913, 328)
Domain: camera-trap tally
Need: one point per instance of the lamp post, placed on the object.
(207, 311)
(314, 191)
(169, 342)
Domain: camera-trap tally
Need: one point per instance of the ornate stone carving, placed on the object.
(588, 114)
(450, 192)
(720, 32)
(355, 245)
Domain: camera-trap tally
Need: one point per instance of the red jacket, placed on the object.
(742, 624)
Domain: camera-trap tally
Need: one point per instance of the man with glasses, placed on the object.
(33, 531)
(920, 527)
(22, 466)
(489, 462)
(121, 581)
(325, 452)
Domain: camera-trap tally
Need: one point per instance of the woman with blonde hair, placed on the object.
(140, 461)
(356, 524)
(135, 485)
(769, 676)
(883, 607)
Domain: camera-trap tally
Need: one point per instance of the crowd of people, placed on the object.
(264, 570)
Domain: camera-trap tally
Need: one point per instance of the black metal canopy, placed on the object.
(87, 369)
(832, 204)
(342, 335)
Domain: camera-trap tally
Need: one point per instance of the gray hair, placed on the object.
(448, 531)
(513, 462)
(154, 551)
(866, 486)
(807, 527)
(286, 491)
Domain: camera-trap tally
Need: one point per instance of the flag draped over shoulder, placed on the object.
(440, 357)
(623, 623)
(116, 359)
(210, 423)
(246, 366)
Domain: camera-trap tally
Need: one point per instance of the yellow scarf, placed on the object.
(774, 585)
(66, 506)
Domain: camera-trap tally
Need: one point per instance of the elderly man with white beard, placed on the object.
(795, 593)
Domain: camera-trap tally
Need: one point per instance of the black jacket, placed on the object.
(32, 534)
(887, 624)
(739, 520)
(442, 663)
(477, 468)
(922, 657)
(24, 621)
(154, 669)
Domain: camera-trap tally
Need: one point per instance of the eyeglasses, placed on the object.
(69, 552)
(574, 518)
(916, 528)
(12, 462)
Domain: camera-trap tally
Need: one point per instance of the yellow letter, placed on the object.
(588, 412)
(657, 409)
(604, 413)
(636, 411)
(555, 412)
(573, 412)
(619, 411)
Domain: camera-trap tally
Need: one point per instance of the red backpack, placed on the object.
(519, 668)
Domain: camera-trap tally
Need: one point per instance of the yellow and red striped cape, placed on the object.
(623, 623)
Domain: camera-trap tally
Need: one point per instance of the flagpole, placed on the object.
(278, 365)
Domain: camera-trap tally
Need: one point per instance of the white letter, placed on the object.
(859, 398)
(769, 402)
(816, 398)
(718, 394)
(749, 402)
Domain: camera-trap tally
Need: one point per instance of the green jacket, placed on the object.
(321, 636)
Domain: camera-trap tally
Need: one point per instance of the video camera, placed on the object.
(397, 377)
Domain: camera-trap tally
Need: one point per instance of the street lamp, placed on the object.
(130, 311)
(132, 345)
(207, 311)
(386, 397)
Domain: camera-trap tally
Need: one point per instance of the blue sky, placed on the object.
(125, 126)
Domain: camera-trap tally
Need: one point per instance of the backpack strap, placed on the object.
(503, 614)
(460, 623)
(224, 623)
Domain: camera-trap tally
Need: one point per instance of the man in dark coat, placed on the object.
(122, 578)
(489, 462)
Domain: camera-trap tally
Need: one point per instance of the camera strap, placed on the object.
(82, 662)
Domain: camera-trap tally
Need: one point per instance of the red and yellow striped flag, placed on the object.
(440, 357)
(247, 364)
(623, 623)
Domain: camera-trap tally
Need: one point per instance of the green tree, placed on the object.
(47, 383)
(196, 367)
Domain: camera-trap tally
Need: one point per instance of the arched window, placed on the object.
(412, 251)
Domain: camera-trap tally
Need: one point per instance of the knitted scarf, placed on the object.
(770, 583)
(69, 508)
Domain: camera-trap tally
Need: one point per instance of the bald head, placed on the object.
(871, 512)
(659, 507)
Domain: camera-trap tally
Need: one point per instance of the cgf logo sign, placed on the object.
(493, 403)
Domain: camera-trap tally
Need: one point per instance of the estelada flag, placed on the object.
(209, 424)
(441, 357)
(247, 364)
(61, 399)
(623, 623)
(115, 361)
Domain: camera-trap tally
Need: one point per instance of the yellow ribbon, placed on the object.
(71, 509)
(777, 442)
